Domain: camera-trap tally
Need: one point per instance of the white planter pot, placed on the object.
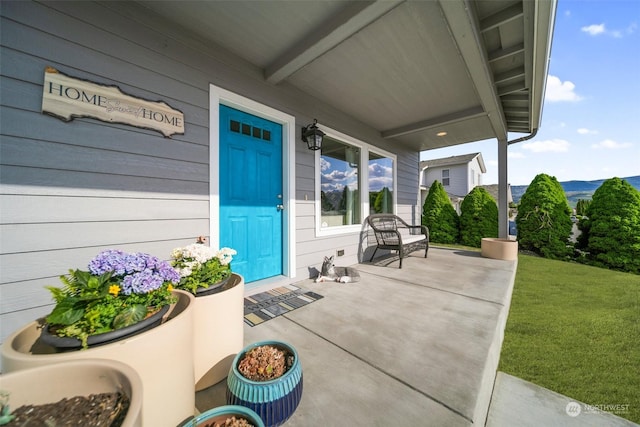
(162, 356)
(52, 383)
(499, 248)
(218, 332)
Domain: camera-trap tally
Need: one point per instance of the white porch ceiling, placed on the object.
(410, 69)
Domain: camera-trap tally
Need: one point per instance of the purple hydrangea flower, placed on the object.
(109, 260)
(168, 273)
(141, 282)
(141, 273)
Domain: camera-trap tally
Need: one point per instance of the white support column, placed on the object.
(503, 203)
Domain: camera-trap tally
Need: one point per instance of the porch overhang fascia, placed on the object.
(466, 33)
(544, 14)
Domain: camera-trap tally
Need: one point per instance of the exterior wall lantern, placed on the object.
(312, 136)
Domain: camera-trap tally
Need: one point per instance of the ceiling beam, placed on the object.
(515, 97)
(435, 122)
(517, 111)
(510, 75)
(354, 17)
(462, 21)
(505, 53)
(502, 17)
(511, 88)
(513, 120)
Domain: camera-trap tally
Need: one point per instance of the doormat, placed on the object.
(265, 306)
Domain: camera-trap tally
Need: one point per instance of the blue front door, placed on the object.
(251, 193)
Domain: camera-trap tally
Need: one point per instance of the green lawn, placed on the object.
(575, 329)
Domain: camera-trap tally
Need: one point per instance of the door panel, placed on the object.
(250, 191)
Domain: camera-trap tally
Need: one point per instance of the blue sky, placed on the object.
(591, 112)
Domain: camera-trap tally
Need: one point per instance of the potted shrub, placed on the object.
(218, 310)
(121, 294)
(266, 377)
(226, 416)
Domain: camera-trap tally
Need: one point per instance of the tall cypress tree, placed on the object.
(439, 216)
(478, 217)
(384, 201)
(611, 231)
(544, 218)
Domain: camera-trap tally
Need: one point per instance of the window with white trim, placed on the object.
(445, 177)
(353, 180)
(380, 183)
(339, 184)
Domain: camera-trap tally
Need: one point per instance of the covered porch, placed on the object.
(416, 346)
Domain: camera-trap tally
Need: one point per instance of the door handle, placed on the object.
(280, 207)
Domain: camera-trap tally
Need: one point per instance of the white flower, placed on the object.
(184, 272)
(225, 255)
(192, 257)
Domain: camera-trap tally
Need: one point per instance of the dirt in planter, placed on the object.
(229, 422)
(264, 363)
(95, 410)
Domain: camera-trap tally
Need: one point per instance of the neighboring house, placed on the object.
(386, 80)
(457, 174)
(493, 190)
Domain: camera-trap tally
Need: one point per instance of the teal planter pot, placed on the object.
(275, 400)
(221, 413)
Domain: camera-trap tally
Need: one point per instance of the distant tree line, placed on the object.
(380, 201)
(609, 223)
(581, 206)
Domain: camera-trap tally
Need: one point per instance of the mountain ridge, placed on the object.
(576, 189)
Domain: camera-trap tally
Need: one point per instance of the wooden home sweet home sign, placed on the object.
(66, 97)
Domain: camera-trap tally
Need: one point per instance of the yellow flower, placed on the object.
(114, 290)
(170, 287)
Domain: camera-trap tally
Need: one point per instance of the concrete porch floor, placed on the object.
(417, 346)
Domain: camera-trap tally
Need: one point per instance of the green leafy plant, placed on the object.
(119, 290)
(200, 266)
(611, 229)
(478, 217)
(439, 216)
(5, 411)
(544, 219)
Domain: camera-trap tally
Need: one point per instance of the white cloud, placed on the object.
(594, 29)
(609, 144)
(492, 163)
(558, 90)
(380, 176)
(324, 164)
(516, 155)
(551, 145)
(598, 29)
(585, 131)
